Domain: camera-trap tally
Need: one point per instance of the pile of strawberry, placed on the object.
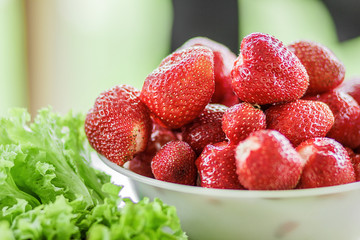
(275, 117)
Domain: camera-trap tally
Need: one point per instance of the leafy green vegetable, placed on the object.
(6, 233)
(48, 190)
(53, 148)
(143, 220)
(13, 201)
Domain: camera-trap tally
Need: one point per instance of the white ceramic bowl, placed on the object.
(205, 214)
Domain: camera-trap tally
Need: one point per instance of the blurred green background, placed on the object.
(63, 53)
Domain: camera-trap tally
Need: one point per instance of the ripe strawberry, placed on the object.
(356, 165)
(119, 124)
(216, 167)
(141, 164)
(266, 160)
(350, 152)
(242, 119)
(325, 71)
(267, 72)
(180, 88)
(355, 160)
(351, 87)
(175, 162)
(327, 163)
(346, 111)
(206, 128)
(300, 120)
(223, 62)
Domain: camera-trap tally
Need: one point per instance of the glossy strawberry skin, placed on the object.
(180, 88)
(355, 160)
(352, 87)
(346, 111)
(119, 125)
(300, 120)
(216, 167)
(242, 119)
(266, 160)
(327, 163)
(206, 128)
(356, 164)
(325, 70)
(175, 163)
(223, 62)
(141, 163)
(267, 72)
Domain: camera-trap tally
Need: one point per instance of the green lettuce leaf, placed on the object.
(55, 160)
(13, 201)
(142, 220)
(48, 189)
(6, 232)
(49, 221)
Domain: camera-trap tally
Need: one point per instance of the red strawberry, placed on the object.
(206, 128)
(175, 162)
(355, 160)
(351, 87)
(350, 152)
(267, 72)
(356, 164)
(119, 124)
(325, 71)
(327, 163)
(242, 119)
(216, 167)
(180, 88)
(266, 160)
(346, 128)
(300, 120)
(141, 163)
(223, 62)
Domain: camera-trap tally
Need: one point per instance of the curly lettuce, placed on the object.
(48, 190)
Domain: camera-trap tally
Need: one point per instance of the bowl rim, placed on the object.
(230, 193)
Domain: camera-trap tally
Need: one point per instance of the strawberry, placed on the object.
(206, 128)
(300, 120)
(141, 163)
(267, 72)
(216, 167)
(356, 164)
(118, 125)
(350, 152)
(325, 71)
(266, 160)
(223, 62)
(351, 87)
(242, 119)
(180, 88)
(175, 162)
(346, 111)
(355, 160)
(327, 163)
